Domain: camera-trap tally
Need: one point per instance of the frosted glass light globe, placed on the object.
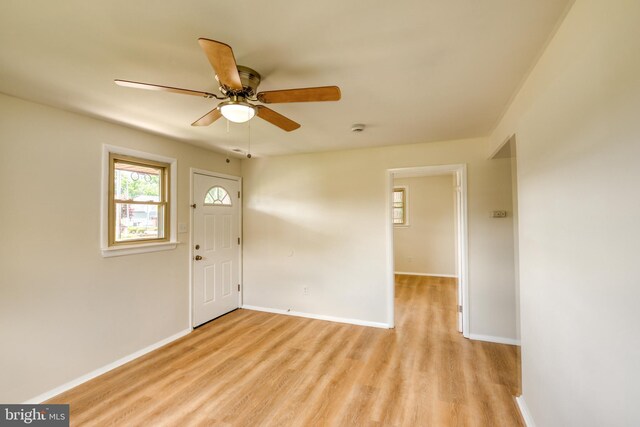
(237, 113)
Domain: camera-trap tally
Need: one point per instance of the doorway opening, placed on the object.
(508, 150)
(401, 197)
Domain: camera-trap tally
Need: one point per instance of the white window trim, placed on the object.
(406, 206)
(137, 248)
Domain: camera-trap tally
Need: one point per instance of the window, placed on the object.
(400, 206)
(139, 209)
(138, 200)
(217, 196)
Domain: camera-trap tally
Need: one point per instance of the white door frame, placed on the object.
(192, 172)
(462, 244)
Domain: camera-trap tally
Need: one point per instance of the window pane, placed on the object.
(398, 215)
(217, 196)
(138, 222)
(398, 206)
(136, 182)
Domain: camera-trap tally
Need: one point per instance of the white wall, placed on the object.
(427, 245)
(64, 309)
(319, 220)
(577, 126)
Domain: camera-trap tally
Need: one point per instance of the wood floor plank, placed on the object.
(251, 368)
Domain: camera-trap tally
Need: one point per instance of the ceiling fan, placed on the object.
(238, 85)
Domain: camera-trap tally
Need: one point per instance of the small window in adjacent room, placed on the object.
(400, 206)
(139, 209)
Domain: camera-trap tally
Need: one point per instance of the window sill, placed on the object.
(138, 249)
(401, 225)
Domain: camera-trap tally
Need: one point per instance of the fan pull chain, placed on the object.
(249, 145)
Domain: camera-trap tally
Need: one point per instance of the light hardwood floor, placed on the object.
(250, 368)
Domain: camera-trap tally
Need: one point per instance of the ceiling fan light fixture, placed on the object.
(237, 111)
(238, 84)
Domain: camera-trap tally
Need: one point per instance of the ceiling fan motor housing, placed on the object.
(250, 80)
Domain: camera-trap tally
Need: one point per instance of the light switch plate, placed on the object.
(182, 227)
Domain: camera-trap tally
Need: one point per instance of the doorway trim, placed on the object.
(462, 240)
(192, 172)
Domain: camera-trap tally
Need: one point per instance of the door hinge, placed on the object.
(238, 194)
(459, 309)
(238, 240)
(238, 287)
(193, 206)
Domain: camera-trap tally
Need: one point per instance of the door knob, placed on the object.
(198, 257)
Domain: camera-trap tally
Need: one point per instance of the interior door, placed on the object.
(459, 266)
(216, 247)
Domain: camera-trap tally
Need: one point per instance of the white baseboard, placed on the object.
(318, 316)
(524, 410)
(76, 382)
(452, 276)
(497, 340)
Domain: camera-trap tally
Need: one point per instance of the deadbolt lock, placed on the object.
(197, 247)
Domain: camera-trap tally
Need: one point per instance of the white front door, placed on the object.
(216, 247)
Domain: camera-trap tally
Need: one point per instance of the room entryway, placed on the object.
(215, 246)
(428, 235)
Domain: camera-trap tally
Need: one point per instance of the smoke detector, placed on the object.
(358, 127)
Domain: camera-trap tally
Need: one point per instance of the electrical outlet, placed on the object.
(409, 259)
(305, 291)
(498, 214)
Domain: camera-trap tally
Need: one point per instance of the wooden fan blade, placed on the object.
(223, 62)
(208, 118)
(276, 118)
(148, 86)
(308, 94)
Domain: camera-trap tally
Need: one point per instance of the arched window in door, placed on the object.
(217, 196)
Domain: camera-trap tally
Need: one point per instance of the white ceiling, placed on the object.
(412, 71)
